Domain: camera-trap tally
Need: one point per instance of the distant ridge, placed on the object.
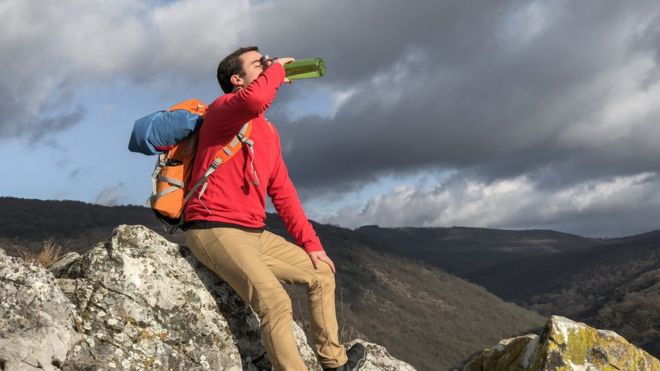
(74, 224)
(610, 283)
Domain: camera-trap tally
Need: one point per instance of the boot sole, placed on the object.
(361, 361)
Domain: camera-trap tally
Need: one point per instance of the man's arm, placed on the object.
(229, 115)
(288, 206)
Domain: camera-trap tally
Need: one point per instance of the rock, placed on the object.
(564, 345)
(144, 303)
(505, 355)
(134, 302)
(36, 318)
(378, 359)
(306, 352)
(60, 265)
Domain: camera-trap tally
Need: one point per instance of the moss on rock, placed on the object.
(564, 345)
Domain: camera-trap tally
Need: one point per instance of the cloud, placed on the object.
(79, 172)
(619, 205)
(113, 196)
(50, 51)
(560, 92)
(544, 89)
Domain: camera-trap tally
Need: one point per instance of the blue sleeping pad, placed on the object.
(162, 128)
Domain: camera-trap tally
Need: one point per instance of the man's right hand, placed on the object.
(284, 61)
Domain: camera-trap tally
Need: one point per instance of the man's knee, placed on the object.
(323, 279)
(271, 300)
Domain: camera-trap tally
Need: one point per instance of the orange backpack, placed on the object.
(171, 179)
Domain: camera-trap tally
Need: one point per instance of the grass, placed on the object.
(49, 254)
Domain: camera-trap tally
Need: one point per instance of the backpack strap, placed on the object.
(156, 176)
(162, 160)
(224, 154)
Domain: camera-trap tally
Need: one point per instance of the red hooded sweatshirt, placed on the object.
(236, 191)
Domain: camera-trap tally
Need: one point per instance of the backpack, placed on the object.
(172, 134)
(160, 131)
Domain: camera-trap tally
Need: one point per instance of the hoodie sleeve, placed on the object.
(285, 199)
(229, 113)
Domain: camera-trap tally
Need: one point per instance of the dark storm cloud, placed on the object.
(45, 126)
(21, 116)
(648, 41)
(496, 89)
(359, 39)
(540, 98)
(50, 51)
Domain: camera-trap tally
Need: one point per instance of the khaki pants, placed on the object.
(253, 264)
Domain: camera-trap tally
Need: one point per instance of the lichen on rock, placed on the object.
(565, 345)
(36, 318)
(134, 302)
(141, 305)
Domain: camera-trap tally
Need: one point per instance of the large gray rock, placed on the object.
(144, 303)
(134, 302)
(564, 345)
(62, 263)
(378, 359)
(36, 319)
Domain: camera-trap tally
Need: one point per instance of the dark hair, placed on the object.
(232, 65)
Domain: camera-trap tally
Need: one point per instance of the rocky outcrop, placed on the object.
(379, 359)
(62, 263)
(564, 345)
(140, 302)
(36, 319)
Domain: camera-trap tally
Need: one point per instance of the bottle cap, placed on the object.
(265, 58)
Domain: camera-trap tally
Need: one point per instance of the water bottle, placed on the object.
(303, 68)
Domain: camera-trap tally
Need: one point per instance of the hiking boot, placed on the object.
(357, 354)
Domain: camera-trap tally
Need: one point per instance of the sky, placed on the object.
(498, 114)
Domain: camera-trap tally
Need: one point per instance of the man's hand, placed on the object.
(319, 256)
(267, 61)
(284, 61)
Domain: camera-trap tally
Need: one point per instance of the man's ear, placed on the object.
(236, 80)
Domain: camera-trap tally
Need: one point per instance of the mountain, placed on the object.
(495, 259)
(617, 286)
(421, 314)
(75, 225)
(612, 283)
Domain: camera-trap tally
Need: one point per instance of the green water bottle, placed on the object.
(305, 68)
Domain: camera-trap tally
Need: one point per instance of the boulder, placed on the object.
(378, 359)
(564, 345)
(63, 262)
(36, 319)
(145, 303)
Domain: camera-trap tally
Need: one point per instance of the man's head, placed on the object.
(239, 69)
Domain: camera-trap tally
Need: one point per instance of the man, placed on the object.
(226, 218)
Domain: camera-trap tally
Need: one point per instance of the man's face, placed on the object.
(252, 68)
